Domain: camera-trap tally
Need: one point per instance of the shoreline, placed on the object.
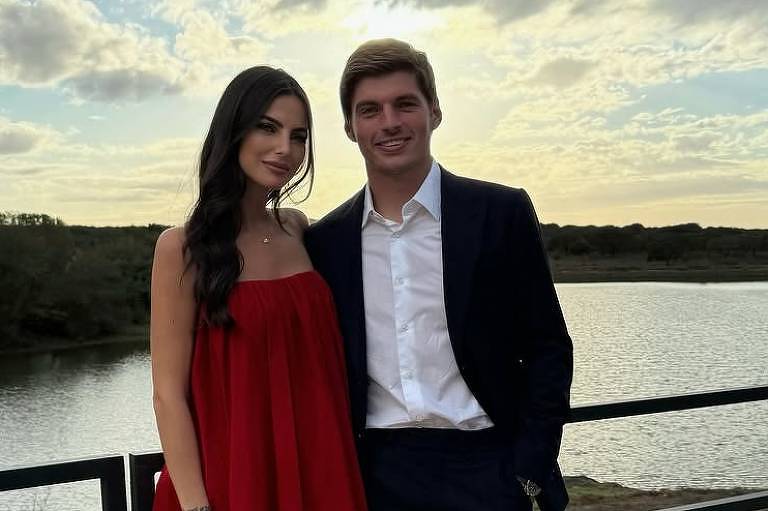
(587, 494)
(136, 334)
(609, 275)
(564, 275)
(628, 269)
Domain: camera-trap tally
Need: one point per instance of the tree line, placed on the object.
(684, 242)
(68, 283)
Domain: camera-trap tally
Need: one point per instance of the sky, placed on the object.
(607, 112)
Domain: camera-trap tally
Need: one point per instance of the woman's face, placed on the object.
(271, 154)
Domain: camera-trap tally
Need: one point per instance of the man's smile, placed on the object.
(392, 144)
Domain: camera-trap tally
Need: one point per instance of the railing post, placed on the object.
(113, 496)
(142, 469)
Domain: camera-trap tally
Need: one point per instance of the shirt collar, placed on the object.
(428, 195)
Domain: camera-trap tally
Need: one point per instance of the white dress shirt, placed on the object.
(414, 378)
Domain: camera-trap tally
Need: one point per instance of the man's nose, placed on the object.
(391, 117)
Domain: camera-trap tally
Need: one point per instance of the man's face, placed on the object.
(392, 123)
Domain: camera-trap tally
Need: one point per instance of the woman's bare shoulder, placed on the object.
(171, 239)
(170, 246)
(294, 218)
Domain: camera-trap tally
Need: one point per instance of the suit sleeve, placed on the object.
(547, 359)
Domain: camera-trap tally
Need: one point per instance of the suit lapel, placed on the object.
(461, 226)
(350, 277)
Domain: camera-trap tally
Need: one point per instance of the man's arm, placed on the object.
(547, 353)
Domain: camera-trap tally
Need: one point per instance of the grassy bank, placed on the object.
(133, 334)
(639, 269)
(590, 495)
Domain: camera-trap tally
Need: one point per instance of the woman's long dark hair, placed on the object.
(215, 221)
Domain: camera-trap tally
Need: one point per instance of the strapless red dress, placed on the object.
(270, 406)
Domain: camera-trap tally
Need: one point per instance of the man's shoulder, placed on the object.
(489, 190)
(335, 217)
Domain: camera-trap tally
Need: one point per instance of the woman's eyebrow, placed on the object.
(270, 119)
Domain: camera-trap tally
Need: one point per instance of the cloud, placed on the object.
(311, 4)
(50, 42)
(17, 140)
(203, 38)
(173, 10)
(121, 85)
(562, 72)
(22, 137)
(504, 11)
(717, 11)
(142, 183)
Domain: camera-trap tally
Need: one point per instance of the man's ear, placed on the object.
(350, 133)
(436, 115)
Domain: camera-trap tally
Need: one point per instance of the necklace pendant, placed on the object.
(266, 240)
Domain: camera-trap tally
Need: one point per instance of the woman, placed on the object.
(249, 383)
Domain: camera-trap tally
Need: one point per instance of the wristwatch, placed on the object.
(530, 488)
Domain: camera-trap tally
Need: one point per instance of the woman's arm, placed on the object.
(171, 336)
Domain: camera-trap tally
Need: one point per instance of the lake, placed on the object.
(631, 340)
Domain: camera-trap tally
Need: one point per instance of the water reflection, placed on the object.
(15, 367)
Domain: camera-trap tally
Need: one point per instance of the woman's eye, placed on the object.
(265, 126)
(299, 137)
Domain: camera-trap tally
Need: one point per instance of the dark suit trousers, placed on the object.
(440, 470)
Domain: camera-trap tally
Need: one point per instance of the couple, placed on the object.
(450, 347)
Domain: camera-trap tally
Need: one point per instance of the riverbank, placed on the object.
(589, 495)
(134, 334)
(638, 269)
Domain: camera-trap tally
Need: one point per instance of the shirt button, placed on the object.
(395, 235)
(399, 281)
(404, 328)
(407, 375)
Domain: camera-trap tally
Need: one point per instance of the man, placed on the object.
(458, 358)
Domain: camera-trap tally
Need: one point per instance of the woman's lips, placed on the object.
(278, 167)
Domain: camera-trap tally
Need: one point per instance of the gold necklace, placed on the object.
(267, 235)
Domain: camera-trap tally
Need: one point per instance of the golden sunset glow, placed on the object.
(607, 112)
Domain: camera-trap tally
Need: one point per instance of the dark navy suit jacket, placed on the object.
(504, 320)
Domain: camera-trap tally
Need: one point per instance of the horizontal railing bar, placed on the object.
(645, 406)
(17, 478)
(749, 502)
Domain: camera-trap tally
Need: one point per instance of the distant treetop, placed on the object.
(10, 218)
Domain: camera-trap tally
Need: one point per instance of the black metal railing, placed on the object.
(750, 502)
(110, 471)
(142, 467)
(679, 402)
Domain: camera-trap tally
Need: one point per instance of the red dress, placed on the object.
(270, 406)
